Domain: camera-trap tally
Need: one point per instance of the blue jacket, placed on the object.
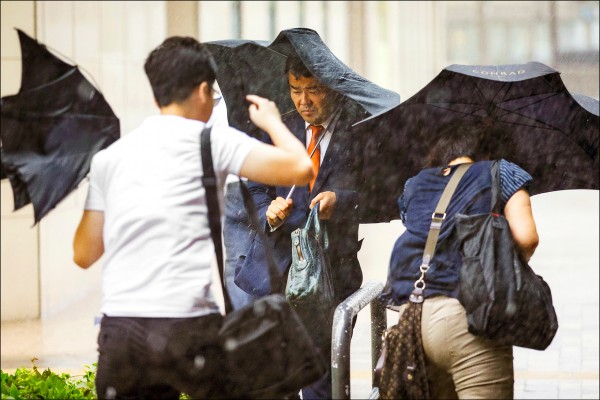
(340, 172)
(421, 195)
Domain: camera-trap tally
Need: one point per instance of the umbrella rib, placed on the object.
(449, 109)
(57, 80)
(516, 111)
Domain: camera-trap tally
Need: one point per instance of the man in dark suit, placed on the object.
(319, 111)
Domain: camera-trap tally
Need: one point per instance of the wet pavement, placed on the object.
(567, 258)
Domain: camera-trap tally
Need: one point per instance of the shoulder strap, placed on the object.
(496, 190)
(209, 181)
(438, 216)
(214, 217)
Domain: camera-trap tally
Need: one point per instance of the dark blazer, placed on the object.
(340, 172)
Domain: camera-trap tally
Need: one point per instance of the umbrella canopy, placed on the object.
(51, 129)
(552, 134)
(244, 67)
(256, 67)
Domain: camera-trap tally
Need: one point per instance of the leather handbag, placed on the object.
(268, 333)
(503, 297)
(309, 288)
(403, 372)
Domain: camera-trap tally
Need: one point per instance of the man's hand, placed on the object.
(263, 112)
(327, 206)
(278, 211)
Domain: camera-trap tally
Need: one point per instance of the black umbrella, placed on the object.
(553, 134)
(51, 129)
(246, 66)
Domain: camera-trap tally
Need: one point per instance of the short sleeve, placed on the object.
(95, 196)
(512, 178)
(230, 148)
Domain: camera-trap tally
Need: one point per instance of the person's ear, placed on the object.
(204, 91)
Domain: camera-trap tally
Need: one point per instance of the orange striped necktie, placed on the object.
(317, 131)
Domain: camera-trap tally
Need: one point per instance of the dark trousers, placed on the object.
(159, 358)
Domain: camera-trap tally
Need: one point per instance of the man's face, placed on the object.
(314, 101)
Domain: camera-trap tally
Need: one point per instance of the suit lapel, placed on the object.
(337, 147)
(296, 125)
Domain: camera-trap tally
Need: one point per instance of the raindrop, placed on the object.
(199, 362)
(259, 308)
(231, 344)
(85, 91)
(111, 393)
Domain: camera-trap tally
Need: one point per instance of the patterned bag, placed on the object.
(403, 374)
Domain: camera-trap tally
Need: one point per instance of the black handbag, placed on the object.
(309, 288)
(268, 352)
(504, 299)
(401, 371)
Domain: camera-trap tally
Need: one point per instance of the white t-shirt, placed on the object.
(158, 248)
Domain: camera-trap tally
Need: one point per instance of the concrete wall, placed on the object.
(398, 45)
(19, 239)
(109, 41)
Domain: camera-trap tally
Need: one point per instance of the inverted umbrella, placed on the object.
(246, 66)
(552, 134)
(51, 129)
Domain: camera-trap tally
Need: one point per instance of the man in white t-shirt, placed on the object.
(146, 213)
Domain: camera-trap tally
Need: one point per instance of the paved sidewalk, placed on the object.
(63, 343)
(567, 258)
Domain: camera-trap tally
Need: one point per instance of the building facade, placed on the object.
(398, 45)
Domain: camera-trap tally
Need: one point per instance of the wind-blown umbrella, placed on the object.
(554, 135)
(51, 129)
(246, 66)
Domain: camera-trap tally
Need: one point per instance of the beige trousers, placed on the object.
(461, 365)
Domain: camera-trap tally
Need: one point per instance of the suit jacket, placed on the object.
(339, 172)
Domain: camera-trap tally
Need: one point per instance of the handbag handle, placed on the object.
(209, 181)
(314, 221)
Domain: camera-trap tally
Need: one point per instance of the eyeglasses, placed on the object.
(217, 96)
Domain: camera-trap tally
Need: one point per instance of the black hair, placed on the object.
(477, 140)
(296, 67)
(176, 67)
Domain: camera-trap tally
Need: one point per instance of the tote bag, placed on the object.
(504, 298)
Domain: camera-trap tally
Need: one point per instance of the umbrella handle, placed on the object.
(310, 156)
(290, 193)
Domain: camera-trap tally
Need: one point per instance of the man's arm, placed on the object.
(284, 163)
(88, 245)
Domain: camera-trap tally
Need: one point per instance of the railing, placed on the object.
(342, 334)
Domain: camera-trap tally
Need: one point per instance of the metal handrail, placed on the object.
(342, 334)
